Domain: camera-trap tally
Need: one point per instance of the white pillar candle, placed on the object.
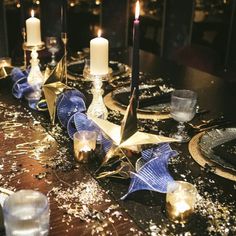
(33, 31)
(99, 55)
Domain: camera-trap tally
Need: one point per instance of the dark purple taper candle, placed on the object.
(135, 56)
(64, 16)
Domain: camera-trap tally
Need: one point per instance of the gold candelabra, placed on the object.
(64, 40)
(24, 49)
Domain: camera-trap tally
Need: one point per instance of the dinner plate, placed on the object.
(214, 138)
(75, 68)
(152, 97)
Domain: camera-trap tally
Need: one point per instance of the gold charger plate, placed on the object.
(113, 105)
(203, 161)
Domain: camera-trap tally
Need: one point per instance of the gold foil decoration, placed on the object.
(56, 74)
(52, 92)
(5, 71)
(127, 136)
(53, 87)
(5, 67)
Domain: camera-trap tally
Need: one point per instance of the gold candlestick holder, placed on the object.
(24, 42)
(35, 77)
(64, 39)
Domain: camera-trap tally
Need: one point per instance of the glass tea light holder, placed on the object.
(180, 201)
(84, 145)
(26, 212)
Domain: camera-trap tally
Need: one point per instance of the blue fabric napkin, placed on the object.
(153, 173)
(68, 103)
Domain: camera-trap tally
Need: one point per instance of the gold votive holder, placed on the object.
(180, 201)
(84, 145)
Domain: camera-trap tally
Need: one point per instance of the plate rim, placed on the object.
(229, 166)
(196, 154)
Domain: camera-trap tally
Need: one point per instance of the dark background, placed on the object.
(195, 33)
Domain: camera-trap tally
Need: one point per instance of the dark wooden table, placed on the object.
(36, 155)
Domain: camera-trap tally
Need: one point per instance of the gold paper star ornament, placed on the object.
(52, 92)
(5, 71)
(126, 136)
(53, 87)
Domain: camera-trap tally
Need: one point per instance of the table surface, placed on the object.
(36, 155)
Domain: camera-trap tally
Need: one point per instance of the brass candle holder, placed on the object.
(24, 48)
(64, 39)
(180, 200)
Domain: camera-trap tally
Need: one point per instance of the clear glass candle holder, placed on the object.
(26, 212)
(84, 145)
(180, 201)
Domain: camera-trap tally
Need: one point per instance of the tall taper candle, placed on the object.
(64, 16)
(135, 56)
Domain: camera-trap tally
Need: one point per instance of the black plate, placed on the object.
(118, 69)
(211, 140)
(227, 151)
(152, 98)
(76, 68)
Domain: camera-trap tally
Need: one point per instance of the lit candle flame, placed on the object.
(99, 33)
(137, 10)
(32, 13)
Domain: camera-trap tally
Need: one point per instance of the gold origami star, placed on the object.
(5, 71)
(53, 87)
(127, 135)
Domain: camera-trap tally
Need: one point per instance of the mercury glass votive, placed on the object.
(84, 145)
(180, 201)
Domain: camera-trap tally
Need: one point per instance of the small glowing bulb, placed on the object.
(72, 4)
(37, 2)
(97, 2)
(18, 5)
